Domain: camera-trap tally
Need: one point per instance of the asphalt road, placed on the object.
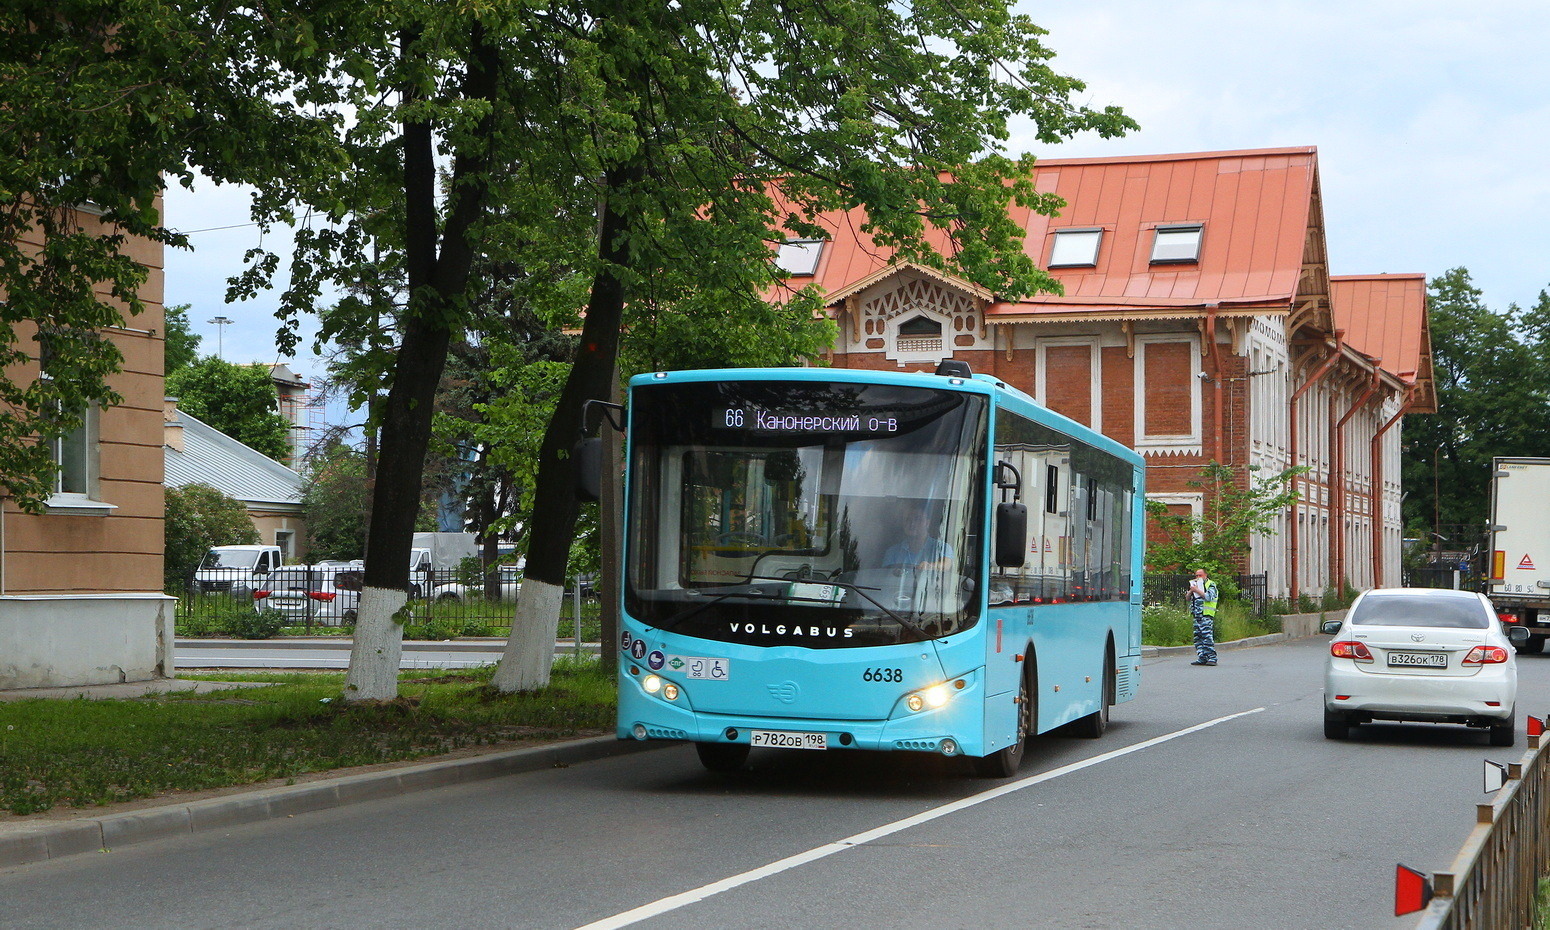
(1213, 802)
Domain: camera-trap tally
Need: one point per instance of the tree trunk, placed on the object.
(529, 654)
(611, 540)
(435, 281)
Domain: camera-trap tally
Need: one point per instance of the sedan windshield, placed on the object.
(1433, 610)
(802, 513)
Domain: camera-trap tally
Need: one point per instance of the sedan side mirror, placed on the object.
(1518, 634)
(1330, 627)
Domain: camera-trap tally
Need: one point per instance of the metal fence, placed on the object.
(1171, 589)
(1466, 578)
(1493, 881)
(447, 603)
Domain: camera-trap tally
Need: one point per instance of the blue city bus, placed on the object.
(821, 559)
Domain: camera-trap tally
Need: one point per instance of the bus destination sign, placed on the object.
(756, 420)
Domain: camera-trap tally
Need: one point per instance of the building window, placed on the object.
(285, 541)
(918, 335)
(1176, 244)
(72, 453)
(799, 256)
(75, 483)
(1075, 248)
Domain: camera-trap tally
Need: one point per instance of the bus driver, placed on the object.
(918, 549)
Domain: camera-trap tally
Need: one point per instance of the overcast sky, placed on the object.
(1431, 119)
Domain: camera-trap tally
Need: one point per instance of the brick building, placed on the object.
(1199, 323)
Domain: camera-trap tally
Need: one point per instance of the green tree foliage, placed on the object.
(1238, 506)
(337, 498)
(238, 400)
(182, 345)
(634, 145)
(716, 131)
(198, 517)
(75, 117)
(1493, 399)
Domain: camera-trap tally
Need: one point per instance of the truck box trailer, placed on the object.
(1519, 578)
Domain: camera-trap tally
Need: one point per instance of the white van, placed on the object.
(235, 570)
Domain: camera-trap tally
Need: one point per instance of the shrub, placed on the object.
(256, 624)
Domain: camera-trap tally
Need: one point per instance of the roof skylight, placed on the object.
(799, 256)
(1075, 248)
(1177, 244)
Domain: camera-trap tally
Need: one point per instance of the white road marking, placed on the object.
(663, 906)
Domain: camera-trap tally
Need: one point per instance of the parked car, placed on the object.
(235, 570)
(1422, 654)
(326, 594)
(510, 580)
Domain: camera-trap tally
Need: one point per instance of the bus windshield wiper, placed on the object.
(674, 621)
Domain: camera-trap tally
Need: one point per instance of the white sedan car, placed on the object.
(1421, 654)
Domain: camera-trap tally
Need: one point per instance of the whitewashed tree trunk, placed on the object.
(377, 647)
(529, 655)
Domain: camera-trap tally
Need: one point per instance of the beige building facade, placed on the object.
(79, 584)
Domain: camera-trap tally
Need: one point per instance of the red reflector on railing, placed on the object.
(1412, 891)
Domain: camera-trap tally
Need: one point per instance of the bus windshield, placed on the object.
(797, 513)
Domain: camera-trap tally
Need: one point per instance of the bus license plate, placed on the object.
(1419, 659)
(783, 739)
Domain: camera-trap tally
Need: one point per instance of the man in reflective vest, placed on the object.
(1202, 608)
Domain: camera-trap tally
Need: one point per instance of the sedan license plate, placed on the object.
(783, 739)
(1418, 659)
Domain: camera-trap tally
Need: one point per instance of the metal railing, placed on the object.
(1171, 589)
(1494, 880)
(449, 603)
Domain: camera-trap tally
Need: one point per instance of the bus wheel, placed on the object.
(1094, 724)
(1004, 763)
(722, 757)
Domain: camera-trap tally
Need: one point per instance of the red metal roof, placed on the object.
(1255, 207)
(1384, 317)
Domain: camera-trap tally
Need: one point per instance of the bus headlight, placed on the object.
(653, 684)
(932, 697)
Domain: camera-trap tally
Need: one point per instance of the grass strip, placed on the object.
(85, 753)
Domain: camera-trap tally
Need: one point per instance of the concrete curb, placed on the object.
(23, 843)
(1295, 626)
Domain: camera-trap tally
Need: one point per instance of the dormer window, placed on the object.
(1075, 248)
(799, 256)
(1177, 244)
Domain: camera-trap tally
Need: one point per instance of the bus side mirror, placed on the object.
(1011, 534)
(588, 460)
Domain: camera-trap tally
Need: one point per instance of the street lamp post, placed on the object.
(220, 323)
(1436, 509)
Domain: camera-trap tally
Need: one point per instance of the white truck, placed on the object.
(1519, 578)
(435, 559)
